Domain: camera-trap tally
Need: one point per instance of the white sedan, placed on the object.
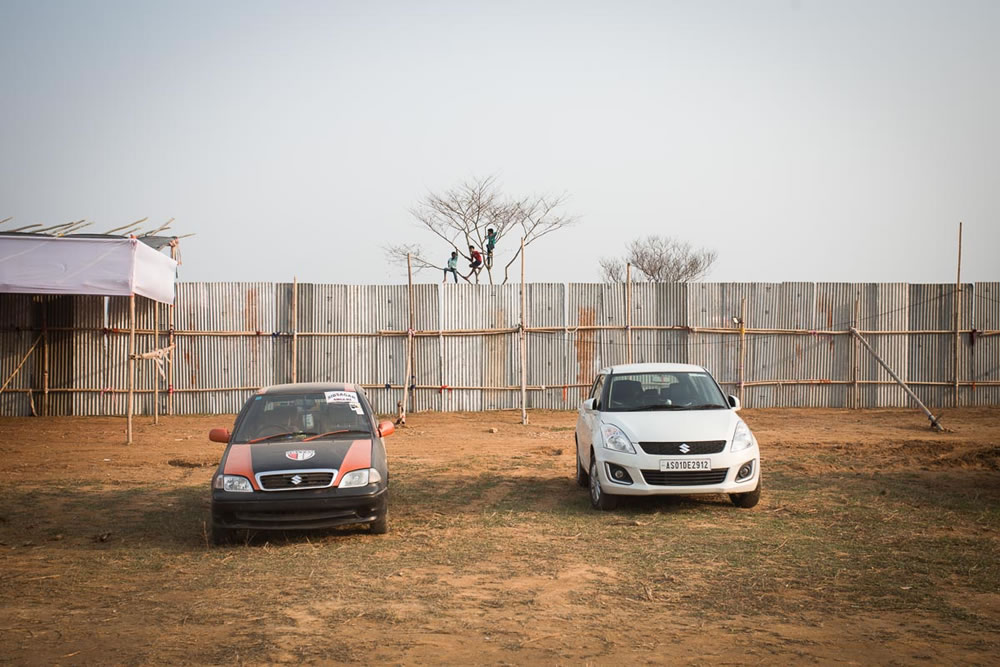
(652, 429)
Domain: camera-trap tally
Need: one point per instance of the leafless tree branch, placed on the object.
(660, 259)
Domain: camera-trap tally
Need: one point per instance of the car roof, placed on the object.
(653, 368)
(309, 388)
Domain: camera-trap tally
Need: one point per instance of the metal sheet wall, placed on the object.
(242, 340)
(984, 354)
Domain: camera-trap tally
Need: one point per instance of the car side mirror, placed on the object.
(589, 403)
(219, 435)
(734, 402)
(386, 428)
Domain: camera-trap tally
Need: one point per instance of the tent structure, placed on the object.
(72, 265)
(97, 265)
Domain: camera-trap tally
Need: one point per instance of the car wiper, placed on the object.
(343, 430)
(705, 406)
(277, 435)
(656, 407)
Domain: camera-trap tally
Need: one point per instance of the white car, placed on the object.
(654, 429)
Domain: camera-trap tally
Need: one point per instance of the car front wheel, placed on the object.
(222, 535)
(748, 499)
(599, 500)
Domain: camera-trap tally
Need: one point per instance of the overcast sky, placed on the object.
(803, 140)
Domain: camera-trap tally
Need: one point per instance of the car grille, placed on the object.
(674, 448)
(286, 481)
(685, 478)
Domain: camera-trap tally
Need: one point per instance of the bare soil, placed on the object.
(875, 541)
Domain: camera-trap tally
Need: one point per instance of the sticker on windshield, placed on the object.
(341, 397)
(357, 408)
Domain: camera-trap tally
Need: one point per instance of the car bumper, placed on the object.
(291, 510)
(649, 480)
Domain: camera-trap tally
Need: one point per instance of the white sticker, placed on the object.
(307, 419)
(341, 397)
(357, 408)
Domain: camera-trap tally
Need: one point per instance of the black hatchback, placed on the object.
(302, 456)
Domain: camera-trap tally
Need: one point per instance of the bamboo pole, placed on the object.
(958, 312)
(934, 421)
(45, 356)
(856, 360)
(743, 347)
(171, 341)
(156, 376)
(24, 359)
(411, 343)
(524, 347)
(295, 323)
(401, 419)
(628, 313)
(131, 368)
(440, 293)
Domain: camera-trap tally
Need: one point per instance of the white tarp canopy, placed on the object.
(73, 265)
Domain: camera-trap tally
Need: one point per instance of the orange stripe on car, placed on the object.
(358, 457)
(239, 462)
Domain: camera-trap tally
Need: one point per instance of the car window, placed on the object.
(595, 391)
(652, 391)
(301, 415)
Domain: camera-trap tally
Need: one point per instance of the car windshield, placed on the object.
(274, 417)
(664, 391)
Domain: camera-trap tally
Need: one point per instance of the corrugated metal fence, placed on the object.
(231, 338)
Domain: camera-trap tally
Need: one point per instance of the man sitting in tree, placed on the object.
(475, 262)
(491, 243)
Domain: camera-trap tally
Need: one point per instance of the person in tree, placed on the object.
(491, 243)
(452, 266)
(475, 261)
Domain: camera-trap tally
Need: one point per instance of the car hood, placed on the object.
(341, 455)
(674, 426)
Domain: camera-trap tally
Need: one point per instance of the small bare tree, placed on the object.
(462, 215)
(660, 259)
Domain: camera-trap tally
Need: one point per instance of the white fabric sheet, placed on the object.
(108, 267)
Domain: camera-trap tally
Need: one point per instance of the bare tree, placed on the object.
(660, 259)
(462, 215)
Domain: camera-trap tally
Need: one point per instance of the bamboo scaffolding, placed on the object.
(401, 418)
(295, 326)
(45, 356)
(628, 313)
(934, 420)
(156, 376)
(958, 314)
(131, 369)
(171, 341)
(523, 346)
(24, 359)
(517, 387)
(509, 330)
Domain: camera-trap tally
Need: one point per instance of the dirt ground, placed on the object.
(875, 541)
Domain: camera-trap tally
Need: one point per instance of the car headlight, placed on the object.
(360, 478)
(233, 483)
(742, 437)
(615, 439)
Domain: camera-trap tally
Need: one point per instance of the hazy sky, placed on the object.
(803, 140)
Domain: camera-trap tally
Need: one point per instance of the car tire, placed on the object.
(222, 535)
(582, 478)
(599, 500)
(380, 526)
(748, 499)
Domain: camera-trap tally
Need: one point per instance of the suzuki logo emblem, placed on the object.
(296, 480)
(684, 448)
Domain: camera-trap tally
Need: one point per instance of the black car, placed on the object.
(301, 456)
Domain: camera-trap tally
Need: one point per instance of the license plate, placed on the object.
(685, 464)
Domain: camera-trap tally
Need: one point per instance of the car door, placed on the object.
(587, 420)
